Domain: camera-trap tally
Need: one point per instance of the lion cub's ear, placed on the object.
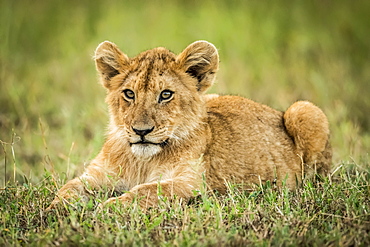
(200, 60)
(109, 61)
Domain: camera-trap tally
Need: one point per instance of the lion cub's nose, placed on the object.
(142, 132)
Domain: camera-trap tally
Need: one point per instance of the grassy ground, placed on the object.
(333, 213)
(53, 116)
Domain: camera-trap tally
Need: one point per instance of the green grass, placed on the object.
(333, 213)
(53, 116)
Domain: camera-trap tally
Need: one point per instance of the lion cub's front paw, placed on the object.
(57, 205)
(66, 197)
(125, 199)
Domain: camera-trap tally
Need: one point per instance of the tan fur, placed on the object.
(162, 143)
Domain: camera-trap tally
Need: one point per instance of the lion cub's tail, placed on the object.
(309, 128)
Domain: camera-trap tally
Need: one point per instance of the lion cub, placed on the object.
(165, 135)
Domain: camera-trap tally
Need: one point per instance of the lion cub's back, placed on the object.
(249, 143)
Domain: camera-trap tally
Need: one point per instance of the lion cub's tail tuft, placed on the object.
(309, 128)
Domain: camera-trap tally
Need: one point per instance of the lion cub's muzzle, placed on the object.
(146, 142)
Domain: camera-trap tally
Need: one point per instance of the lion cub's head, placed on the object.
(155, 99)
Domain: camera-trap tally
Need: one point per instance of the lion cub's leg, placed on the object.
(82, 187)
(148, 194)
(179, 181)
(309, 128)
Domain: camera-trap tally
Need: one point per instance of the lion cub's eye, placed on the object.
(165, 95)
(129, 94)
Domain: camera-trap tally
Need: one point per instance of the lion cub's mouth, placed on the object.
(145, 142)
(146, 149)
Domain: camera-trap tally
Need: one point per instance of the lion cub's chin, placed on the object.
(145, 150)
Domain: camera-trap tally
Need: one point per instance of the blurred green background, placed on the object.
(52, 111)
